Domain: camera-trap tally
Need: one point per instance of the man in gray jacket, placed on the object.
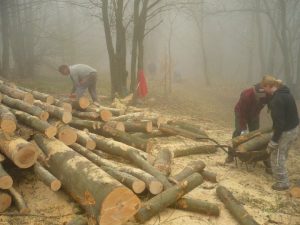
(83, 77)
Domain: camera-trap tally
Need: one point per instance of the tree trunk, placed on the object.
(66, 106)
(5, 37)
(19, 201)
(171, 130)
(8, 122)
(194, 149)
(16, 93)
(6, 181)
(114, 111)
(134, 49)
(39, 125)
(49, 99)
(25, 107)
(85, 140)
(256, 143)
(141, 126)
(22, 153)
(65, 133)
(167, 198)
(104, 114)
(5, 201)
(260, 37)
(47, 178)
(163, 162)
(234, 207)
(188, 126)
(209, 176)
(83, 180)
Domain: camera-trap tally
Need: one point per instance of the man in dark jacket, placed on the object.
(285, 129)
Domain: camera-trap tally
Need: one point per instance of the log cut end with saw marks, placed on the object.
(5, 201)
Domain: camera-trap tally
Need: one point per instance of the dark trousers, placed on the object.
(252, 124)
(90, 84)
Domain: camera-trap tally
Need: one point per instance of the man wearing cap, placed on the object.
(83, 77)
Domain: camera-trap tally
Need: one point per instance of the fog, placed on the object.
(209, 41)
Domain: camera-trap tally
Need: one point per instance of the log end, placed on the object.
(83, 102)
(295, 192)
(55, 185)
(5, 201)
(149, 126)
(51, 131)
(105, 115)
(8, 126)
(28, 97)
(138, 186)
(119, 206)
(155, 187)
(44, 116)
(26, 156)
(67, 107)
(67, 117)
(68, 136)
(50, 100)
(6, 182)
(120, 126)
(90, 144)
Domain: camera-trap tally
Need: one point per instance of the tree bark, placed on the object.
(234, 207)
(153, 134)
(171, 130)
(5, 201)
(17, 94)
(163, 161)
(85, 140)
(167, 198)
(141, 126)
(8, 122)
(104, 114)
(25, 107)
(22, 153)
(189, 127)
(19, 201)
(39, 125)
(49, 99)
(46, 177)
(83, 180)
(24, 132)
(86, 115)
(194, 150)
(65, 133)
(6, 181)
(66, 106)
(256, 143)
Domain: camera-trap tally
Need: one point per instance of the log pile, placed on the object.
(85, 149)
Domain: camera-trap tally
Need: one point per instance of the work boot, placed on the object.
(229, 159)
(280, 186)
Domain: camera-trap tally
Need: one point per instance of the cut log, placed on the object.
(37, 124)
(188, 126)
(86, 115)
(25, 107)
(65, 133)
(55, 111)
(22, 153)
(163, 162)
(46, 177)
(114, 111)
(197, 205)
(259, 142)
(209, 176)
(19, 201)
(138, 126)
(80, 103)
(194, 150)
(167, 198)
(156, 119)
(193, 167)
(78, 220)
(6, 181)
(172, 130)
(234, 207)
(2, 158)
(128, 180)
(5, 201)
(49, 99)
(17, 94)
(145, 165)
(153, 134)
(104, 114)
(83, 180)
(295, 190)
(85, 140)
(66, 106)
(8, 121)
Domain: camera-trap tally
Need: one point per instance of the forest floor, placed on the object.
(212, 109)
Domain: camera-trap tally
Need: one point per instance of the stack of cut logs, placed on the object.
(90, 151)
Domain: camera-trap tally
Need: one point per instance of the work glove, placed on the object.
(271, 147)
(244, 132)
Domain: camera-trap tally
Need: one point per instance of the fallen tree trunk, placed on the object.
(49, 99)
(152, 134)
(19, 201)
(209, 176)
(65, 133)
(22, 153)
(66, 106)
(167, 198)
(16, 94)
(25, 107)
(6, 181)
(197, 205)
(83, 180)
(171, 130)
(194, 150)
(138, 126)
(86, 115)
(37, 124)
(5, 201)
(55, 112)
(163, 162)
(8, 121)
(295, 190)
(189, 127)
(234, 207)
(104, 114)
(85, 140)
(256, 143)
(114, 111)
(46, 177)
(80, 103)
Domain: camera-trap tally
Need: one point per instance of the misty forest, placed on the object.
(149, 112)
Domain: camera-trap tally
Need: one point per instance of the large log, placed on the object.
(156, 119)
(83, 180)
(193, 149)
(25, 107)
(55, 111)
(193, 167)
(167, 198)
(163, 161)
(259, 142)
(65, 133)
(295, 190)
(37, 124)
(209, 176)
(153, 134)
(234, 207)
(104, 114)
(85, 140)
(19, 201)
(138, 126)
(114, 111)
(46, 177)
(22, 153)
(6, 181)
(172, 130)
(5, 201)
(80, 103)
(49, 99)
(86, 115)
(188, 126)
(17, 93)
(197, 205)
(65, 105)
(8, 121)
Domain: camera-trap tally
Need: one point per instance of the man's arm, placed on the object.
(278, 117)
(242, 114)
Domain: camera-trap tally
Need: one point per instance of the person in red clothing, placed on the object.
(247, 110)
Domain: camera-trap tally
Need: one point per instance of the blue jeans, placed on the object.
(90, 84)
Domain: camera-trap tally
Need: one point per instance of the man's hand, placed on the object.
(271, 147)
(244, 132)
